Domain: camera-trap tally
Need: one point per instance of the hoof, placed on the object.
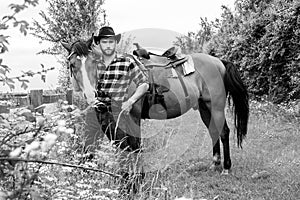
(225, 172)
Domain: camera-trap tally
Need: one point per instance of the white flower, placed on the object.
(35, 145)
(69, 131)
(16, 152)
(48, 142)
(61, 123)
(40, 120)
(61, 129)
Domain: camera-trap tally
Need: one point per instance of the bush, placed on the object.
(40, 154)
(263, 38)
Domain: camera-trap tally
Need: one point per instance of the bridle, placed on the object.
(72, 73)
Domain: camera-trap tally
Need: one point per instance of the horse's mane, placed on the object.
(82, 48)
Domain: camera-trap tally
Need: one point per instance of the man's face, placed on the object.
(108, 46)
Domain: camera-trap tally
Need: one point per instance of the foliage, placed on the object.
(68, 21)
(23, 25)
(194, 42)
(42, 151)
(125, 45)
(263, 38)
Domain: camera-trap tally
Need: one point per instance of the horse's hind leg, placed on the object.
(226, 148)
(205, 114)
(216, 123)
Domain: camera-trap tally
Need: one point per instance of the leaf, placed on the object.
(2, 71)
(5, 67)
(3, 26)
(23, 29)
(7, 17)
(43, 77)
(3, 39)
(16, 24)
(24, 85)
(9, 81)
(17, 8)
(32, 2)
(3, 49)
(11, 86)
(25, 23)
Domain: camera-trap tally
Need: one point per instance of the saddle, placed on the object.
(143, 53)
(172, 61)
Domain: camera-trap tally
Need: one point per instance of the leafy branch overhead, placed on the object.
(68, 20)
(65, 20)
(10, 80)
(22, 24)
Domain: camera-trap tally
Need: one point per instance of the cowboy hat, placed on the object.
(107, 32)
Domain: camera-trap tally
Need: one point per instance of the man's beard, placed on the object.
(108, 52)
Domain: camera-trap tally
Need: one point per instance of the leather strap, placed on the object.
(186, 94)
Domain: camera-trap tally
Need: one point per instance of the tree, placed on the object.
(263, 38)
(125, 45)
(194, 42)
(70, 21)
(23, 26)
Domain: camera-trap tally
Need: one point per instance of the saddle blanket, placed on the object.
(188, 67)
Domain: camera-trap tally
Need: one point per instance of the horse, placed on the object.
(206, 90)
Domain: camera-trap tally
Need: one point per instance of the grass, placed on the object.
(177, 157)
(267, 167)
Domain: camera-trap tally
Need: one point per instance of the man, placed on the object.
(116, 72)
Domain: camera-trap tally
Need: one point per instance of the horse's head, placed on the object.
(83, 67)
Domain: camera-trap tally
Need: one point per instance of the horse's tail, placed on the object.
(238, 92)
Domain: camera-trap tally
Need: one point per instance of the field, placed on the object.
(268, 166)
(176, 159)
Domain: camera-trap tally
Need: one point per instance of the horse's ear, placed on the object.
(66, 45)
(89, 42)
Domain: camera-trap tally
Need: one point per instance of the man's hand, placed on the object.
(127, 106)
(140, 91)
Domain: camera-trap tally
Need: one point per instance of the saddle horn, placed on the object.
(140, 52)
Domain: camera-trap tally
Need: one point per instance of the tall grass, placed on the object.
(176, 160)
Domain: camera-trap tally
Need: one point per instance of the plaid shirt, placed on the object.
(114, 80)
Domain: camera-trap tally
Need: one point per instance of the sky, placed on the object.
(123, 16)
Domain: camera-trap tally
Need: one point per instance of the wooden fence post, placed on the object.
(4, 109)
(36, 98)
(69, 97)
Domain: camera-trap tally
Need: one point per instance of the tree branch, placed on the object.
(60, 164)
